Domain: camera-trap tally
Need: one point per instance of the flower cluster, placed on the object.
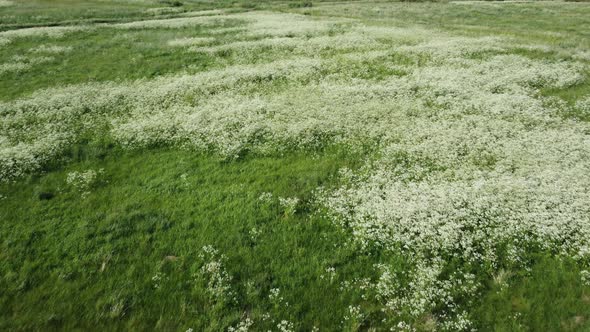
(84, 181)
(51, 49)
(266, 24)
(289, 205)
(218, 281)
(285, 326)
(22, 63)
(308, 46)
(174, 23)
(353, 318)
(275, 295)
(190, 41)
(265, 197)
(46, 32)
(243, 326)
(157, 279)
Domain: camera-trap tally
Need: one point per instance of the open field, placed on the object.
(294, 166)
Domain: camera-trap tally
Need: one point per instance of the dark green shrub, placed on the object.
(45, 195)
(172, 3)
(301, 4)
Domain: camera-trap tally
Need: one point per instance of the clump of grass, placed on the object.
(83, 182)
(301, 4)
(172, 3)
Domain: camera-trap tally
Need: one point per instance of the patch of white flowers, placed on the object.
(46, 32)
(50, 49)
(173, 23)
(285, 326)
(309, 46)
(425, 291)
(583, 106)
(289, 205)
(156, 280)
(265, 197)
(190, 41)
(23, 63)
(331, 274)
(218, 281)
(243, 326)
(254, 234)
(275, 295)
(84, 181)
(353, 318)
(267, 24)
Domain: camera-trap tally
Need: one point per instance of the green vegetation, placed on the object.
(151, 215)
(294, 165)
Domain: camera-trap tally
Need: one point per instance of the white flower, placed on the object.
(83, 181)
(285, 326)
(274, 295)
(265, 197)
(289, 205)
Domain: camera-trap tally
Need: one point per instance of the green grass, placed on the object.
(144, 209)
(102, 56)
(549, 298)
(528, 20)
(32, 13)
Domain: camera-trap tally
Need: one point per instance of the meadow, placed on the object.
(284, 166)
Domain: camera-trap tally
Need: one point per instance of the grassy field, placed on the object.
(294, 166)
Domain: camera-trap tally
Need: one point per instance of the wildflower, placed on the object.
(50, 49)
(285, 326)
(331, 271)
(274, 295)
(265, 197)
(194, 41)
(289, 205)
(254, 233)
(243, 326)
(83, 181)
(213, 272)
(156, 279)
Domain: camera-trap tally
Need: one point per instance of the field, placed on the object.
(201, 165)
